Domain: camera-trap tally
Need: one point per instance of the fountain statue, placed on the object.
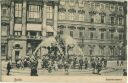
(63, 46)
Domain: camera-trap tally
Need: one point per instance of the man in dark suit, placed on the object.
(9, 66)
(80, 64)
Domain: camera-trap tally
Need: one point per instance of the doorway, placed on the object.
(17, 56)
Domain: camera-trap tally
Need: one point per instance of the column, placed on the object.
(44, 19)
(24, 17)
(12, 18)
(55, 18)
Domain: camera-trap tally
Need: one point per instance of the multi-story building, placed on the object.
(99, 27)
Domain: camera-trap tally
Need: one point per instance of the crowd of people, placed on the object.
(54, 63)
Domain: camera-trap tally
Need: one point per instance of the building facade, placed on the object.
(99, 27)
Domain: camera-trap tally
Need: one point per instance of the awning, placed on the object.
(37, 27)
(48, 28)
(34, 27)
(18, 27)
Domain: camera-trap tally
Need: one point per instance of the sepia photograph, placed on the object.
(63, 38)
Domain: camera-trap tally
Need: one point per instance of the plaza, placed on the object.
(63, 31)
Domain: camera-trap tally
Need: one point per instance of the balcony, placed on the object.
(35, 37)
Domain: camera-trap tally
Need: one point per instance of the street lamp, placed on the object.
(12, 38)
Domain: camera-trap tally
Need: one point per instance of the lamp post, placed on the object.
(12, 47)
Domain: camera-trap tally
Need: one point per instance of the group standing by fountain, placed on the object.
(58, 58)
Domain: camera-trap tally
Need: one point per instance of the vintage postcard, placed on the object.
(64, 41)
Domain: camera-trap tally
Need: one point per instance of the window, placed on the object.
(61, 16)
(18, 10)
(3, 51)
(80, 34)
(112, 20)
(102, 35)
(120, 21)
(91, 35)
(71, 33)
(49, 12)
(81, 17)
(34, 11)
(102, 19)
(71, 16)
